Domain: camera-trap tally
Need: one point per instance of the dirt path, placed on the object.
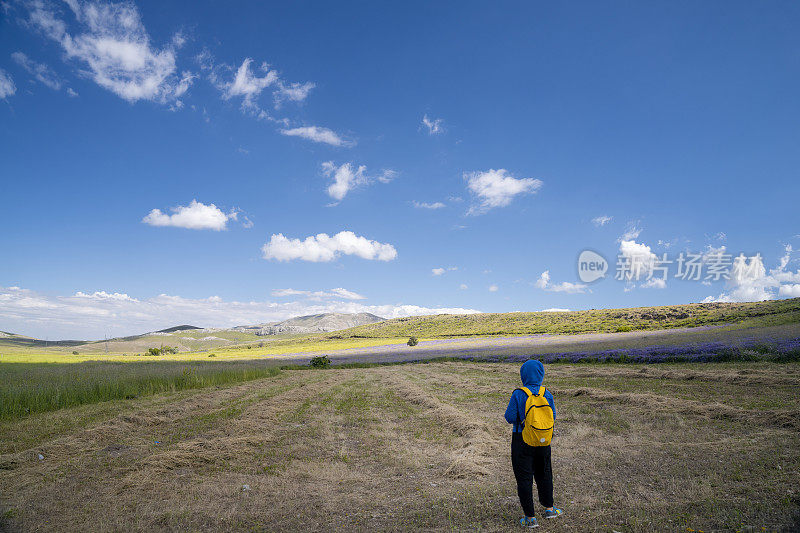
(416, 447)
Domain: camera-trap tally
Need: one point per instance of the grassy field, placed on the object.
(29, 388)
(594, 321)
(270, 347)
(671, 447)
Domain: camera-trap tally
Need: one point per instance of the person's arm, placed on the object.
(511, 410)
(549, 396)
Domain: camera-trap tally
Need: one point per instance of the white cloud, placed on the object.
(440, 271)
(40, 71)
(347, 177)
(555, 310)
(187, 78)
(7, 87)
(565, 286)
(602, 220)
(640, 259)
(296, 92)
(780, 273)
(112, 43)
(632, 232)
(434, 125)
(280, 293)
(249, 81)
(318, 134)
(655, 283)
(338, 292)
(71, 92)
(712, 253)
(431, 205)
(749, 281)
(247, 84)
(194, 216)
(31, 313)
(493, 288)
(496, 188)
(349, 295)
(103, 295)
(322, 247)
(463, 286)
(641, 264)
(790, 290)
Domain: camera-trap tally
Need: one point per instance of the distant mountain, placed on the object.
(12, 339)
(177, 328)
(186, 337)
(312, 324)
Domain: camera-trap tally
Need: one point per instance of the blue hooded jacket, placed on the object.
(532, 374)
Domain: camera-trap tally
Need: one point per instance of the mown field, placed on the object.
(669, 447)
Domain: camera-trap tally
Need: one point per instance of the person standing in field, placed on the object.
(532, 412)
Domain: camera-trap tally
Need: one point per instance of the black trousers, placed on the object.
(531, 463)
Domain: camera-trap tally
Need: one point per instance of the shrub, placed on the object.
(322, 361)
(412, 341)
(74, 352)
(161, 351)
(623, 329)
(212, 355)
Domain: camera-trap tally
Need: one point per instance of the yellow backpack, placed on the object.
(539, 420)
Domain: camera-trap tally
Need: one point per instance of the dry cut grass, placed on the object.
(420, 446)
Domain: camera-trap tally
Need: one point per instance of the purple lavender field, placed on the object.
(706, 344)
(781, 351)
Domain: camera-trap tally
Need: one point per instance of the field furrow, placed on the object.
(419, 446)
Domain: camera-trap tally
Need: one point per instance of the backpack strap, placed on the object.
(540, 392)
(526, 390)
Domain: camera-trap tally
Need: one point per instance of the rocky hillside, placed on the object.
(312, 324)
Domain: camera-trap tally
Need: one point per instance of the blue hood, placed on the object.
(532, 374)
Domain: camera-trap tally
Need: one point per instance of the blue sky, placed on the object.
(493, 142)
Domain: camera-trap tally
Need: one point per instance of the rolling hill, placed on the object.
(772, 312)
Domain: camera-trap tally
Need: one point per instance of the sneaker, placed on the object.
(529, 522)
(554, 513)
